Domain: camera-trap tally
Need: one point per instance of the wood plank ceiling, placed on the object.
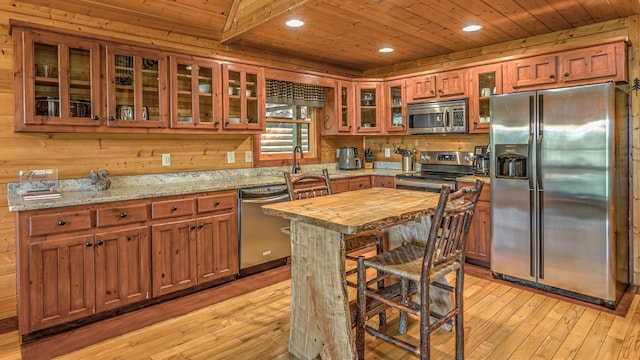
(348, 33)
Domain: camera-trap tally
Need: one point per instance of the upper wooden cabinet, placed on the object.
(435, 86)
(369, 105)
(137, 89)
(395, 106)
(485, 81)
(196, 100)
(338, 114)
(576, 67)
(243, 97)
(56, 81)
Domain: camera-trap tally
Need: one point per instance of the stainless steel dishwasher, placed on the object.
(263, 244)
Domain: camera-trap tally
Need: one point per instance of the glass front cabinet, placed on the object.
(395, 116)
(61, 81)
(486, 81)
(136, 88)
(195, 93)
(243, 97)
(369, 100)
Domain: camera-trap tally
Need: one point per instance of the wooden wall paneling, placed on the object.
(634, 73)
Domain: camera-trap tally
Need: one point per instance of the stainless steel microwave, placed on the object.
(437, 117)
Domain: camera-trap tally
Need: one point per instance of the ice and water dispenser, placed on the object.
(511, 160)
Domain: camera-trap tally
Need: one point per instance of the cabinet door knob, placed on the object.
(441, 91)
(88, 244)
(193, 227)
(112, 118)
(123, 214)
(566, 74)
(100, 242)
(551, 76)
(61, 222)
(95, 117)
(200, 226)
(174, 208)
(217, 203)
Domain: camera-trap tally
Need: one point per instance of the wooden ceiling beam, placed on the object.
(248, 14)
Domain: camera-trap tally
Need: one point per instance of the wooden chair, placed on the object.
(421, 267)
(311, 185)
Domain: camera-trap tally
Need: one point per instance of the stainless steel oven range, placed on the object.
(437, 168)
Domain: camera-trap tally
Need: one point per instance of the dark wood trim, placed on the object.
(8, 325)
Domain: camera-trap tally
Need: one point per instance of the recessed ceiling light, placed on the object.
(385, 50)
(471, 28)
(294, 23)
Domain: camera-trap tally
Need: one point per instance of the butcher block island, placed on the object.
(320, 314)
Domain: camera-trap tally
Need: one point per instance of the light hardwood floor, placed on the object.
(502, 321)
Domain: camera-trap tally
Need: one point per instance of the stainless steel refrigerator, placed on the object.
(560, 190)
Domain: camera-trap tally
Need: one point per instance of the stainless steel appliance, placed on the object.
(263, 244)
(348, 158)
(437, 117)
(560, 190)
(437, 168)
(481, 161)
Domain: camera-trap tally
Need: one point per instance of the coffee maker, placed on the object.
(481, 161)
(348, 158)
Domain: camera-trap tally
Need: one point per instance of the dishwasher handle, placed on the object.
(266, 200)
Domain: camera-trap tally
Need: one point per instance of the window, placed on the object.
(287, 127)
(291, 109)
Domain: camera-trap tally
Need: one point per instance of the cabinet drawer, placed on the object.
(121, 215)
(171, 208)
(59, 223)
(222, 202)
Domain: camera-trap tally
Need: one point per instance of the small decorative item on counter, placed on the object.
(39, 184)
(99, 180)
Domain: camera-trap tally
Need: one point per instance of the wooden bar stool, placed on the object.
(424, 266)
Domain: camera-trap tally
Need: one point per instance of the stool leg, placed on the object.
(383, 315)
(361, 317)
(404, 293)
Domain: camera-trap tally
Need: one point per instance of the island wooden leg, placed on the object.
(320, 319)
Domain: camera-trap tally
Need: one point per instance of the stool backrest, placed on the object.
(308, 185)
(450, 226)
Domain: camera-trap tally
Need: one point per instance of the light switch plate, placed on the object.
(231, 157)
(387, 152)
(248, 156)
(166, 159)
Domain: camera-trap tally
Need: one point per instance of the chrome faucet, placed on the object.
(296, 167)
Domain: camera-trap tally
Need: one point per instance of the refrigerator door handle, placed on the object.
(540, 191)
(539, 143)
(532, 233)
(530, 141)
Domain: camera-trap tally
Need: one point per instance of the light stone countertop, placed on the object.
(74, 191)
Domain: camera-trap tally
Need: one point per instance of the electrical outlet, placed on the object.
(337, 153)
(248, 156)
(231, 157)
(166, 159)
(387, 152)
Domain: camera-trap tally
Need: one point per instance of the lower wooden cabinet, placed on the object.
(194, 251)
(173, 248)
(78, 261)
(383, 181)
(217, 247)
(60, 283)
(121, 267)
(478, 247)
